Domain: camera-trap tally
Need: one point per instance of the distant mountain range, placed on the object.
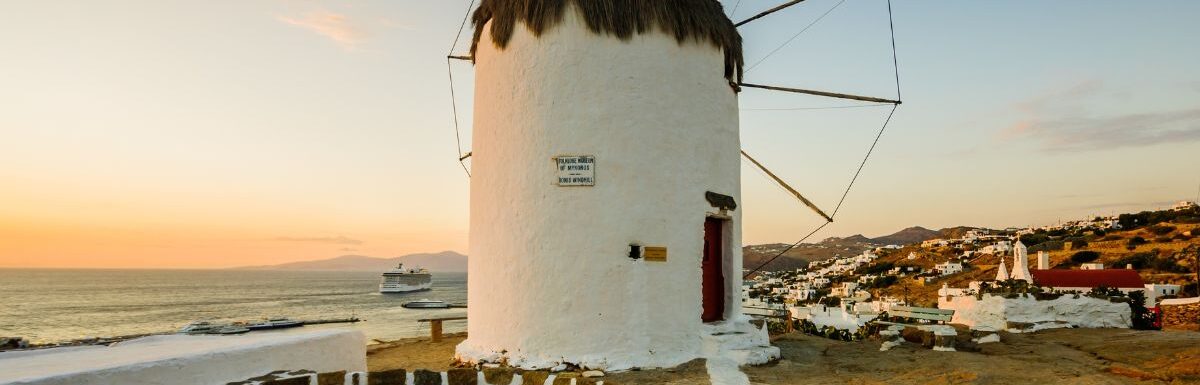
(446, 261)
(753, 255)
(802, 254)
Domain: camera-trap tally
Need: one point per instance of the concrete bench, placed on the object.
(435, 326)
(924, 313)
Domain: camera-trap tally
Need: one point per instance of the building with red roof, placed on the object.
(1085, 280)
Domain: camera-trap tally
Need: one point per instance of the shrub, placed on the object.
(882, 282)
(1161, 229)
(1047, 246)
(1151, 260)
(1167, 264)
(1135, 242)
(1078, 244)
(1111, 237)
(1034, 239)
(1104, 291)
(1163, 239)
(1085, 256)
(1138, 260)
(1142, 318)
(1189, 290)
(876, 268)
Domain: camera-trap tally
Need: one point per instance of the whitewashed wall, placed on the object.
(187, 360)
(994, 312)
(549, 277)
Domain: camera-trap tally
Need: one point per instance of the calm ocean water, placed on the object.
(55, 305)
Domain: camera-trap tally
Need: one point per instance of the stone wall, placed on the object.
(465, 376)
(1180, 315)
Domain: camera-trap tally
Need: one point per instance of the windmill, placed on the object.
(605, 179)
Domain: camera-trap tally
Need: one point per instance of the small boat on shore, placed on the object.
(231, 329)
(426, 304)
(199, 327)
(275, 323)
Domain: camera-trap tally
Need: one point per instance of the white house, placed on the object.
(1156, 290)
(934, 243)
(847, 289)
(947, 268)
(999, 247)
(1092, 266)
(946, 290)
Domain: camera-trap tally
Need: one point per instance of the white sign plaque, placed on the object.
(576, 170)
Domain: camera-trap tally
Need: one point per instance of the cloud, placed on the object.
(1080, 133)
(1058, 122)
(338, 240)
(1053, 98)
(332, 25)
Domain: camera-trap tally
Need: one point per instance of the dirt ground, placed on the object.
(1063, 356)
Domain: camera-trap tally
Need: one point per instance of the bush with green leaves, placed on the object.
(1135, 242)
(1161, 229)
(1142, 318)
(1034, 239)
(875, 268)
(1105, 291)
(882, 282)
(1151, 260)
(1047, 246)
(1085, 256)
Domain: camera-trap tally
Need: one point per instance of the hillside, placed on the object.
(804, 253)
(446, 261)
(1165, 252)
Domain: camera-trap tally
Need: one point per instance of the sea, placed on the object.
(54, 305)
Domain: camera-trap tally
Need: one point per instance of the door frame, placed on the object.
(726, 265)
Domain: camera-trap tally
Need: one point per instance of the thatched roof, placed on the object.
(696, 20)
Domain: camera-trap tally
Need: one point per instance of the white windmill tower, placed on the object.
(605, 182)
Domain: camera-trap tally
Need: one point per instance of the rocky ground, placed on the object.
(1064, 356)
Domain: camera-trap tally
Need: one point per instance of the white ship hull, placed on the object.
(403, 288)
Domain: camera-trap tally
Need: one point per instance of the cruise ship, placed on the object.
(401, 280)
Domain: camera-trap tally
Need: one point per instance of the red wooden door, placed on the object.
(713, 285)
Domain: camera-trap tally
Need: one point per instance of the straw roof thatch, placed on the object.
(696, 20)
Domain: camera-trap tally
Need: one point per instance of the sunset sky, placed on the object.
(153, 134)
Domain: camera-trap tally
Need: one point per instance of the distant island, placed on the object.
(446, 261)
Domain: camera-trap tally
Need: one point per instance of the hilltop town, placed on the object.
(1152, 252)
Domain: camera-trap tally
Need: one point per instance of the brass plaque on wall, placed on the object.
(655, 253)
